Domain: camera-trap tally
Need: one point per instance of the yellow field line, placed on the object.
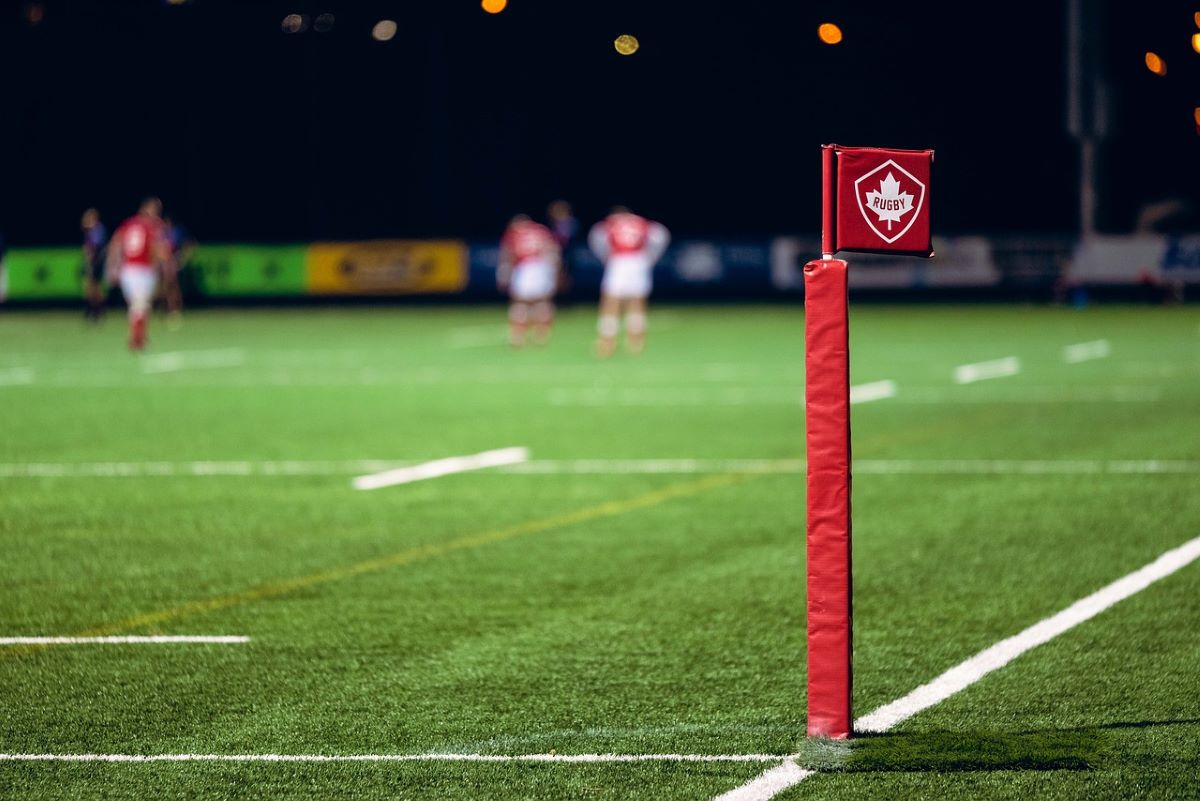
(275, 589)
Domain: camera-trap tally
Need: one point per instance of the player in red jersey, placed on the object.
(136, 254)
(530, 260)
(629, 246)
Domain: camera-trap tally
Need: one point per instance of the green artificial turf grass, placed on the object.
(676, 627)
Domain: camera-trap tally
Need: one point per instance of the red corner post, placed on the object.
(827, 420)
(827, 417)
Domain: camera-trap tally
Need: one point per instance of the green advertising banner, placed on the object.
(266, 271)
(247, 270)
(44, 273)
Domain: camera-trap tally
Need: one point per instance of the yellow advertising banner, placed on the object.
(386, 267)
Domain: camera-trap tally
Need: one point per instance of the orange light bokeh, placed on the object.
(1196, 42)
(829, 33)
(494, 6)
(384, 30)
(1155, 64)
(626, 44)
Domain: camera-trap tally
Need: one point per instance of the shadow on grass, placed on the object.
(1078, 748)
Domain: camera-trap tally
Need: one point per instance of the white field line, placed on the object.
(680, 466)
(1113, 393)
(1024, 466)
(191, 359)
(981, 664)
(441, 467)
(769, 783)
(202, 468)
(16, 375)
(764, 395)
(876, 390)
(654, 466)
(750, 395)
(677, 396)
(1085, 351)
(981, 371)
(126, 640)
(308, 371)
(568, 758)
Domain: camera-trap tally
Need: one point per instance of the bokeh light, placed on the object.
(294, 23)
(323, 23)
(829, 33)
(626, 45)
(34, 13)
(1196, 42)
(494, 6)
(384, 30)
(1155, 64)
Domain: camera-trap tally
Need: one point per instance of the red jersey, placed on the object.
(139, 237)
(627, 233)
(527, 240)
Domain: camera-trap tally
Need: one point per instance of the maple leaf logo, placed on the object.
(889, 203)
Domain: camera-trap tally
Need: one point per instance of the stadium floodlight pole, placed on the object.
(873, 200)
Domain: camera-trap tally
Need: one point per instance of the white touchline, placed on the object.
(1084, 351)
(162, 639)
(876, 390)
(1113, 393)
(185, 359)
(442, 467)
(769, 783)
(986, 661)
(208, 469)
(570, 758)
(980, 371)
(651, 466)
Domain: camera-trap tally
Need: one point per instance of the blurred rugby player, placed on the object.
(136, 255)
(179, 248)
(94, 239)
(530, 260)
(565, 228)
(629, 246)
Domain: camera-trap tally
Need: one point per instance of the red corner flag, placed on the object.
(882, 200)
(874, 200)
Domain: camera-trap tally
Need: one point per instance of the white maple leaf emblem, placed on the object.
(889, 202)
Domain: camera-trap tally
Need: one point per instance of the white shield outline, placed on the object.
(858, 198)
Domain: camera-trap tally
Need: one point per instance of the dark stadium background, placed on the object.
(252, 134)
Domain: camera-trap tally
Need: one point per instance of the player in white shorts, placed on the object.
(135, 256)
(629, 246)
(530, 260)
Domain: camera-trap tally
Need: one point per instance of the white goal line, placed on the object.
(510, 464)
(156, 639)
(568, 758)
